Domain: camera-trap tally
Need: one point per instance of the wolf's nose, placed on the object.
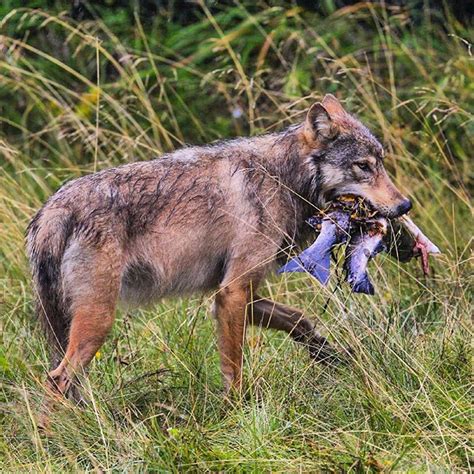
(404, 207)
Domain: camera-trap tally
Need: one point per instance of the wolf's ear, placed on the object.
(319, 125)
(333, 107)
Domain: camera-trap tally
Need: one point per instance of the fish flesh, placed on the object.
(405, 240)
(423, 246)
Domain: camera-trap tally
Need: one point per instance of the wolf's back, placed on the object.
(47, 236)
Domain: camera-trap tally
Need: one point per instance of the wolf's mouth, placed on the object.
(359, 207)
(348, 195)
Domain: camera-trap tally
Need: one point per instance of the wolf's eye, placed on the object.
(363, 166)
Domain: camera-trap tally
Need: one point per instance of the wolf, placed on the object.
(200, 219)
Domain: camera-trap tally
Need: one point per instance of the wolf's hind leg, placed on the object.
(91, 282)
(90, 326)
(269, 314)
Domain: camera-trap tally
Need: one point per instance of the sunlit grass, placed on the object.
(155, 389)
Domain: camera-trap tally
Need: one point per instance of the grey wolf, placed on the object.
(203, 218)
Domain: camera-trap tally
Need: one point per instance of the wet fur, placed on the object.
(174, 221)
(198, 219)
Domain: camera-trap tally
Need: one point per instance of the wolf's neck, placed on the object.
(282, 156)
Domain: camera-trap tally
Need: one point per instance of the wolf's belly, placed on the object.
(179, 268)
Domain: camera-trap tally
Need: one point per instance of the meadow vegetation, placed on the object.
(76, 97)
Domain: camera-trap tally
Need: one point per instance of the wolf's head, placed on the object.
(348, 159)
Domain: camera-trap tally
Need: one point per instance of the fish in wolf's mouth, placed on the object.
(350, 220)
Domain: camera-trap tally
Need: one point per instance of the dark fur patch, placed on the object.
(51, 308)
(221, 269)
(139, 276)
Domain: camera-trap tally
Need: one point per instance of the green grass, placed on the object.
(78, 98)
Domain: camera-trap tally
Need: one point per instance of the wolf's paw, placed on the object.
(76, 395)
(322, 351)
(58, 381)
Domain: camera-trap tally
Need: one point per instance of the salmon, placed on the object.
(316, 259)
(364, 245)
(349, 220)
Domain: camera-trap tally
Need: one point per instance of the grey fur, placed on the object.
(194, 220)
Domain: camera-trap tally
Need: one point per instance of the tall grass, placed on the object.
(76, 98)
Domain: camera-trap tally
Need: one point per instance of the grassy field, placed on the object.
(75, 98)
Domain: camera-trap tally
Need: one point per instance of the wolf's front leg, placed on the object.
(269, 314)
(230, 306)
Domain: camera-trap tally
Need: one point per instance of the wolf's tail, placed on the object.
(47, 236)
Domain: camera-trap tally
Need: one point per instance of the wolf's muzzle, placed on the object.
(403, 208)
